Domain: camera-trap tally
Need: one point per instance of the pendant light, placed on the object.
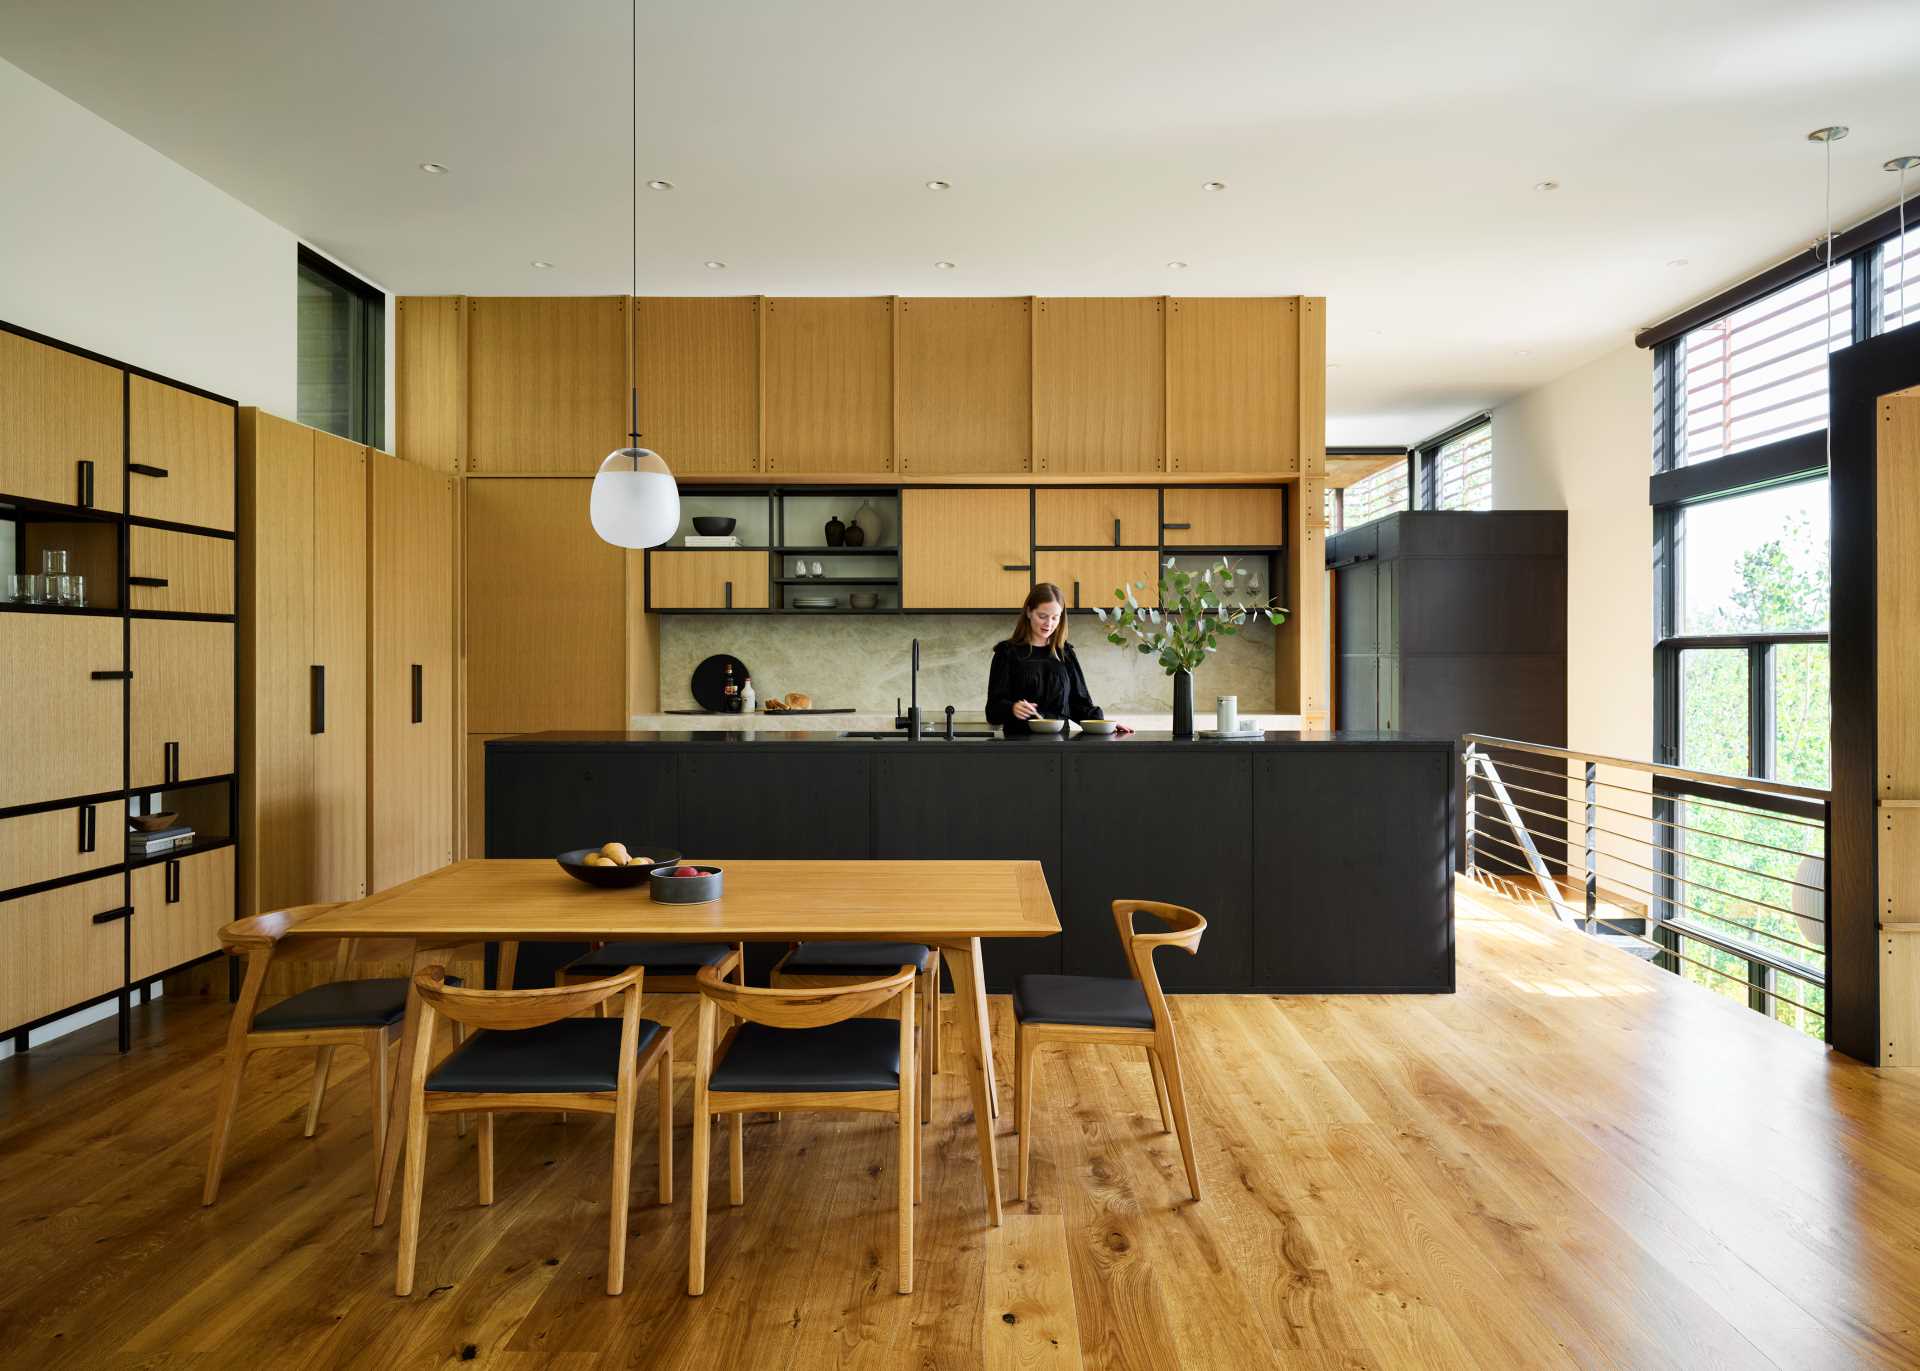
(635, 502)
(1903, 165)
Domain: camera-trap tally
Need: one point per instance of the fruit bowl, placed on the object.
(153, 823)
(676, 887)
(574, 863)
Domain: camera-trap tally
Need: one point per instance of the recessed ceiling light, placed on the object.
(433, 169)
(714, 265)
(939, 185)
(1213, 185)
(658, 184)
(1176, 266)
(1546, 185)
(1678, 262)
(944, 265)
(543, 265)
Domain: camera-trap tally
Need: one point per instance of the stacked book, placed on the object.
(723, 540)
(160, 840)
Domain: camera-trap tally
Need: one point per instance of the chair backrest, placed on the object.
(1183, 930)
(811, 1007)
(511, 1009)
(262, 931)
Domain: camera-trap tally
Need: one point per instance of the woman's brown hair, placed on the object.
(1042, 593)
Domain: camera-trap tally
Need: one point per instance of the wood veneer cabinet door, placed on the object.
(57, 411)
(1233, 385)
(190, 439)
(410, 780)
(965, 385)
(179, 908)
(1089, 579)
(1224, 516)
(430, 380)
(698, 373)
(828, 385)
(61, 730)
(182, 692)
(52, 953)
(1099, 385)
(545, 610)
(546, 383)
(61, 842)
(1897, 581)
(196, 570)
(1089, 516)
(965, 549)
(338, 645)
(708, 580)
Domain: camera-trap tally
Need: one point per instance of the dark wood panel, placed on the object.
(1481, 604)
(1356, 599)
(1359, 692)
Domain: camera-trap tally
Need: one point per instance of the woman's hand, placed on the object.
(1121, 730)
(1025, 709)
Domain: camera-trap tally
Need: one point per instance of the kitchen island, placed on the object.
(1322, 861)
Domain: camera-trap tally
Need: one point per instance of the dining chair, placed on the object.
(671, 967)
(802, 1049)
(1130, 1011)
(527, 1052)
(810, 965)
(364, 1014)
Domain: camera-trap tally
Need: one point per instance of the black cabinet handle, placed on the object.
(1116, 533)
(111, 675)
(88, 836)
(169, 762)
(143, 469)
(171, 882)
(1018, 566)
(107, 916)
(85, 475)
(728, 601)
(1076, 595)
(316, 699)
(419, 693)
(1173, 526)
(146, 580)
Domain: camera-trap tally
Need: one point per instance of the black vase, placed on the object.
(836, 532)
(1183, 705)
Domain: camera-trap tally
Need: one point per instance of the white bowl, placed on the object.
(1046, 725)
(1098, 726)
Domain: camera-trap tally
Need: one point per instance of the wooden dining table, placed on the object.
(951, 905)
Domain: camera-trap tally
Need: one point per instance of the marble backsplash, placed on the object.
(862, 663)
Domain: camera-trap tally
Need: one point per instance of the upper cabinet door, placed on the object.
(430, 380)
(1096, 516)
(179, 455)
(966, 386)
(1099, 385)
(828, 385)
(1233, 385)
(182, 712)
(1225, 516)
(60, 736)
(58, 412)
(546, 383)
(707, 579)
(965, 549)
(698, 371)
(194, 571)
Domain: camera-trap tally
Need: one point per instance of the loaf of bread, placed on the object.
(798, 700)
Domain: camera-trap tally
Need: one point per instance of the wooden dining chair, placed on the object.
(810, 965)
(528, 1052)
(1130, 1011)
(803, 1049)
(364, 1014)
(672, 968)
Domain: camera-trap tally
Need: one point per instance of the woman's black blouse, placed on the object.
(1055, 684)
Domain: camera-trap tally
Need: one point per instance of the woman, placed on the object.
(1035, 674)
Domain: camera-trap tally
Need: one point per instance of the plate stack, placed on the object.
(816, 602)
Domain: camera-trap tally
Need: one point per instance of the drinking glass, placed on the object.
(77, 591)
(25, 586)
(53, 561)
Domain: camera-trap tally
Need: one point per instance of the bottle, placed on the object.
(746, 697)
(730, 692)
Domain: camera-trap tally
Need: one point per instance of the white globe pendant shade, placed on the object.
(635, 501)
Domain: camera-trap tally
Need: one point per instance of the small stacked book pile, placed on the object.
(160, 840)
(704, 540)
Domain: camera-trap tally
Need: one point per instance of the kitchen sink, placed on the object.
(932, 735)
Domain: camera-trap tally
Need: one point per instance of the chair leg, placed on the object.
(925, 1003)
(416, 1178)
(666, 1119)
(1023, 1046)
(1160, 1090)
(485, 1152)
(702, 1165)
(909, 1130)
(736, 1159)
(380, 1080)
(322, 1060)
(933, 1017)
(1177, 1094)
(622, 1192)
(459, 1120)
(223, 1111)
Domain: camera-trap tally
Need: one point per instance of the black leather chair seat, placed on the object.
(564, 1056)
(856, 959)
(1098, 1001)
(854, 1054)
(660, 959)
(340, 1004)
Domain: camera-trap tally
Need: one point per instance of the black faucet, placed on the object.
(949, 723)
(913, 699)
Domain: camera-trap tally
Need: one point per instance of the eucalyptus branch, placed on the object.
(1194, 613)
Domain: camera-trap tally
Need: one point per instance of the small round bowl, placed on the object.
(671, 889)
(574, 863)
(712, 525)
(1046, 725)
(1100, 728)
(153, 823)
(862, 599)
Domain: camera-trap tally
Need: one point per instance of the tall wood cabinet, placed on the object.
(121, 705)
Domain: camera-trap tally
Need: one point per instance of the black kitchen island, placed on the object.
(1322, 861)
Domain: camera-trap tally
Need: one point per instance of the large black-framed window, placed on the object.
(1454, 468)
(342, 351)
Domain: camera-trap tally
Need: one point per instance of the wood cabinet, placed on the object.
(965, 548)
(546, 383)
(829, 385)
(1096, 516)
(61, 731)
(337, 637)
(430, 380)
(179, 907)
(179, 455)
(1089, 579)
(194, 571)
(1099, 385)
(60, 425)
(698, 374)
(1233, 385)
(53, 954)
(707, 580)
(545, 610)
(52, 843)
(410, 715)
(182, 705)
(1224, 516)
(965, 371)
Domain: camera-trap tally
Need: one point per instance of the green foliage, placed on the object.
(1195, 612)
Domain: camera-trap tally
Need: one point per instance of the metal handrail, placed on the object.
(1752, 783)
(1663, 823)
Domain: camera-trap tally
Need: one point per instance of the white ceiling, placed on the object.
(1381, 154)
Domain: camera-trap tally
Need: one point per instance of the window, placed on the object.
(1462, 474)
(342, 352)
(1754, 563)
(1899, 274)
(1364, 486)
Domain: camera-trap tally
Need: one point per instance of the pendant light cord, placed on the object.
(633, 233)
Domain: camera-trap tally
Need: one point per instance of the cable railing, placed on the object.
(1720, 879)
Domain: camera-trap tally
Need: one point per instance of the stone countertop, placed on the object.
(1288, 739)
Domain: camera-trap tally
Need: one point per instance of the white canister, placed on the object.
(1226, 713)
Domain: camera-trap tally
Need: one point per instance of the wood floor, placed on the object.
(1575, 1161)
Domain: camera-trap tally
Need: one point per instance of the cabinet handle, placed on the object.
(728, 600)
(169, 762)
(111, 675)
(147, 581)
(143, 469)
(418, 693)
(1018, 566)
(171, 882)
(85, 476)
(1174, 526)
(107, 916)
(316, 699)
(1076, 595)
(88, 836)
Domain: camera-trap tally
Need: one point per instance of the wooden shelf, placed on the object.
(837, 551)
(836, 580)
(13, 607)
(202, 845)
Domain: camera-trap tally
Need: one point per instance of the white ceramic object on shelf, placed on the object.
(871, 523)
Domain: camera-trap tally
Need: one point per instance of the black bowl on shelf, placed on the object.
(574, 863)
(713, 525)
